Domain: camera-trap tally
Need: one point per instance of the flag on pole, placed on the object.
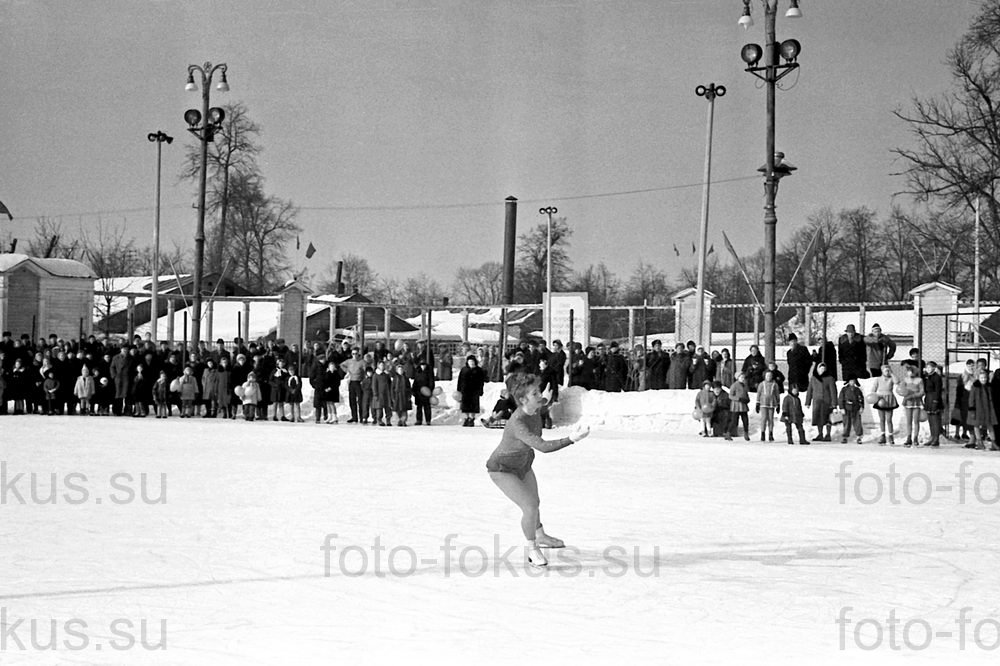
(694, 249)
(298, 245)
(310, 251)
(676, 251)
(711, 249)
(4, 211)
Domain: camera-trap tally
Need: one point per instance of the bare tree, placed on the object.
(234, 152)
(530, 275)
(110, 256)
(603, 287)
(50, 241)
(261, 228)
(480, 286)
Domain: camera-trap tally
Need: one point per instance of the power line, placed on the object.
(405, 207)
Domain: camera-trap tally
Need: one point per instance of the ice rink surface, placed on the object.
(270, 543)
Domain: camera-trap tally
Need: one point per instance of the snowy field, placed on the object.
(272, 543)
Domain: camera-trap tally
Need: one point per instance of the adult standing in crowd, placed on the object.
(826, 354)
(702, 368)
(354, 369)
(657, 365)
(880, 348)
(615, 370)
(853, 354)
(680, 368)
(754, 367)
(799, 363)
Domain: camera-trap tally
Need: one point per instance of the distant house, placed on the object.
(344, 310)
(41, 297)
(110, 310)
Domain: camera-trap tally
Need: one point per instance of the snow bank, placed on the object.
(665, 411)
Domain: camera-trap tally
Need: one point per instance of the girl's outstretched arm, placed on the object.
(521, 432)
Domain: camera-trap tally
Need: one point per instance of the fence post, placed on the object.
(807, 320)
(331, 325)
(387, 324)
(465, 327)
(245, 333)
(631, 328)
(171, 309)
(756, 327)
(734, 337)
(861, 319)
(569, 349)
(210, 319)
(131, 318)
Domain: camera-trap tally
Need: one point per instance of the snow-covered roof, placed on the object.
(69, 268)
(226, 316)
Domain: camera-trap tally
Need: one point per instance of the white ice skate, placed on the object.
(535, 557)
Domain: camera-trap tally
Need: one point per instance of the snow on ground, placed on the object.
(682, 550)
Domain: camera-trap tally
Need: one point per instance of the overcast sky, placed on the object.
(436, 110)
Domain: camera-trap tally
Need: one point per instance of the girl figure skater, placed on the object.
(510, 464)
(911, 390)
(767, 404)
(885, 403)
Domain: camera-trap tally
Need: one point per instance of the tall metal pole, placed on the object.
(154, 312)
(509, 241)
(709, 93)
(199, 234)
(206, 134)
(975, 289)
(770, 180)
(550, 211)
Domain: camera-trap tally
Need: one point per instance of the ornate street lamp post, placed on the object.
(770, 72)
(212, 118)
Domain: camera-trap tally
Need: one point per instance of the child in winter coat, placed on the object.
(791, 414)
(367, 407)
(739, 407)
(51, 387)
(400, 397)
(381, 395)
(331, 391)
(84, 390)
(161, 396)
(189, 392)
(851, 401)
(294, 395)
(768, 392)
(209, 388)
(982, 417)
(704, 402)
(250, 395)
(423, 389)
(720, 416)
(822, 395)
(279, 390)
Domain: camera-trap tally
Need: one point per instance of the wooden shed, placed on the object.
(45, 296)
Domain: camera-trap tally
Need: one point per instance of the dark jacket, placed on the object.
(799, 364)
(853, 356)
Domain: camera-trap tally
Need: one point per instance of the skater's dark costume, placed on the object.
(521, 436)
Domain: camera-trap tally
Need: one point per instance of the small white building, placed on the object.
(42, 297)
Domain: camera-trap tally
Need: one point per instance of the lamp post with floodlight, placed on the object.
(159, 138)
(212, 118)
(549, 211)
(770, 72)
